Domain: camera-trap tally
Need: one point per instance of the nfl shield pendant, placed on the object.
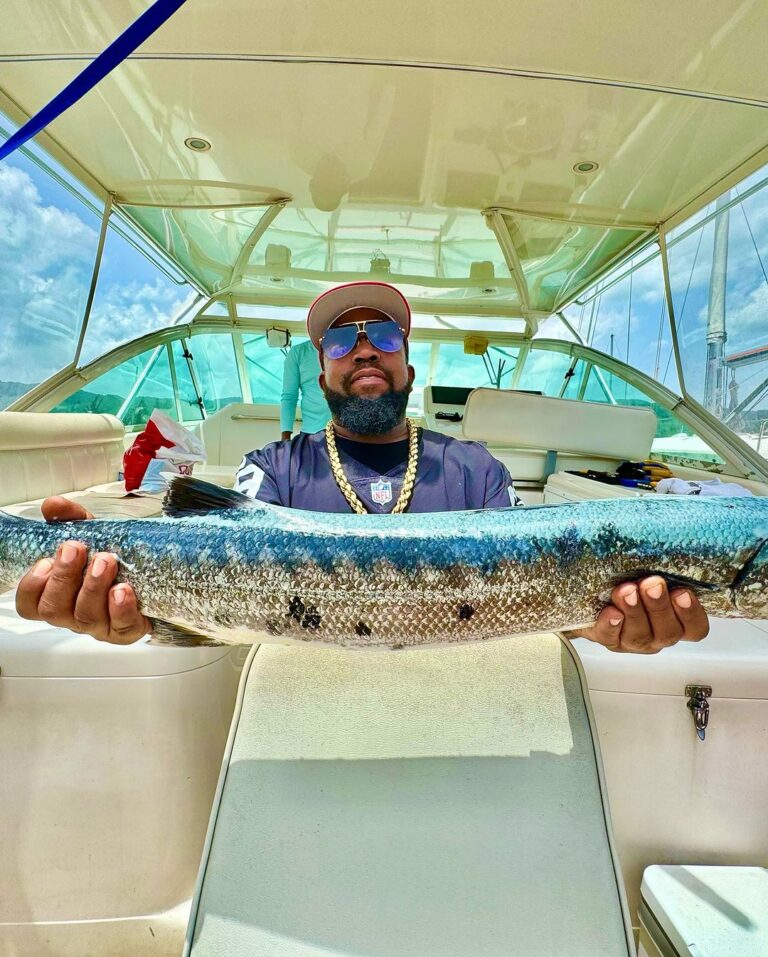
(381, 492)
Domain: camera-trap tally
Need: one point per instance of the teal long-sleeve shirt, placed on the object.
(300, 374)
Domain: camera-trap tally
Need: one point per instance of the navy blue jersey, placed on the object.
(451, 476)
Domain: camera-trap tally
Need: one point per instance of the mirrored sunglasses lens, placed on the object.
(387, 336)
(339, 341)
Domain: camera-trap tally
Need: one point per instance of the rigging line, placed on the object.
(593, 316)
(685, 299)
(581, 317)
(140, 30)
(658, 338)
(629, 314)
(752, 237)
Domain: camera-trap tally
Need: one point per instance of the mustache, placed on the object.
(346, 382)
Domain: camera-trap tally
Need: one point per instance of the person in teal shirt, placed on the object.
(300, 375)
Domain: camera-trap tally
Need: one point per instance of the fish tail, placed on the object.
(750, 588)
(22, 542)
(10, 529)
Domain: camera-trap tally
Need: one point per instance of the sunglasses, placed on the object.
(383, 334)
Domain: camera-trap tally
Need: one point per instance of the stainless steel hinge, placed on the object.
(699, 706)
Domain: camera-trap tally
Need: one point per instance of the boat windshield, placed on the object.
(613, 343)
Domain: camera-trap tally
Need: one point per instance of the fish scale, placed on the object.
(221, 568)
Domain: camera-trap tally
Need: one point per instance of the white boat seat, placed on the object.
(236, 429)
(536, 435)
(431, 802)
(692, 911)
(43, 454)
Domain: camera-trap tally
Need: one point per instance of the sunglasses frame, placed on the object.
(361, 330)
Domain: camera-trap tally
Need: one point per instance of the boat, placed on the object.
(572, 199)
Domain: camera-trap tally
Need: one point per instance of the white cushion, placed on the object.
(593, 429)
(237, 429)
(431, 802)
(712, 910)
(45, 454)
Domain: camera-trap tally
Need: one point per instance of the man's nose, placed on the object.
(364, 351)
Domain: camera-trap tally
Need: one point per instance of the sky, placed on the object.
(690, 268)
(48, 242)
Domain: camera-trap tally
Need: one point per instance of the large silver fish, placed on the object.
(223, 568)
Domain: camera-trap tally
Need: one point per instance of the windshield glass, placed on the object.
(49, 231)
(719, 279)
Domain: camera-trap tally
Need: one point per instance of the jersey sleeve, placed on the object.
(255, 476)
(499, 489)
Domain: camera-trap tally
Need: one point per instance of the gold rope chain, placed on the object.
(349, 493)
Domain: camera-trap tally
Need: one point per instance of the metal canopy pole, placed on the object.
(495, 221)
(671, 310)
(94, 277)
(265, 221)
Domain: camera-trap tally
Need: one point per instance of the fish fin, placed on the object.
(169, 633)
(187, 496)
(673, 581)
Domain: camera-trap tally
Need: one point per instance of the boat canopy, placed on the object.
(494, 158)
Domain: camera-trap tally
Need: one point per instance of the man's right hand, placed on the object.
(57, 592)
(285, 436)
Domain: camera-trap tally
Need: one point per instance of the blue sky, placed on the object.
(47, 248)
(48, 242)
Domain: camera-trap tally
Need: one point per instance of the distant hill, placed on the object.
(10, 391)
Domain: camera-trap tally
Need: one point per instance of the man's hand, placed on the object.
(285, 436)
(645, 617)
(55, 590)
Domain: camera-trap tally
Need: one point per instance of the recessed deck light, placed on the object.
(197, 144)
(587, 166)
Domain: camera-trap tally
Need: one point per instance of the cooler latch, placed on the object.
(699, 706)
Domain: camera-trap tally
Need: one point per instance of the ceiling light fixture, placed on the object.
(197, 144)
(586, 166)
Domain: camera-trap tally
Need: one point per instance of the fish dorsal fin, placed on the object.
(172, 633)
(188, 496)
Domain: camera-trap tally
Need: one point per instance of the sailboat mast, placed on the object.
(714, 381)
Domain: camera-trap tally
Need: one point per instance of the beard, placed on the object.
(368, 416)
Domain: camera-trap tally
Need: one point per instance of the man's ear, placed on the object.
(321, 381)
(411, 376)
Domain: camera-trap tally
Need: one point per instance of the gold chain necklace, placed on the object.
(349, 493)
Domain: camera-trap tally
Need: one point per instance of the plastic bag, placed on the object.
(163, 446)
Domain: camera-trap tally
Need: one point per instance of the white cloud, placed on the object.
(123, 312)
(46, 262)
(46, 258)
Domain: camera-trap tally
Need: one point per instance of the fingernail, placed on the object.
(615, 621)
(99, 564)
(683, 599)
(655, 591)
(630, 597)
(68, 553)
(43, 567)
(119, 596)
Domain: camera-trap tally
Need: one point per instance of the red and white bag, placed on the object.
(163, 446)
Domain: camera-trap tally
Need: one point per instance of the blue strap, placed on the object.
(139, 31)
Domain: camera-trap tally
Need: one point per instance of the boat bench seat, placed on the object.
(236, 429)
(535, 436)
(74, 454)
(437, 802)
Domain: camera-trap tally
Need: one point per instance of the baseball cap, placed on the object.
(329, 306)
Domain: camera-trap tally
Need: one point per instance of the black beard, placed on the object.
(374, 416)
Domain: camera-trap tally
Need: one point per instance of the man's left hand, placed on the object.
(646, 617)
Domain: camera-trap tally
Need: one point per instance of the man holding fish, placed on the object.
(369, 459)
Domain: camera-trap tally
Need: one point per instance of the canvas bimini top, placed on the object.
(491, 158)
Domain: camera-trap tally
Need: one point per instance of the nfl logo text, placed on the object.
(381, 492)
